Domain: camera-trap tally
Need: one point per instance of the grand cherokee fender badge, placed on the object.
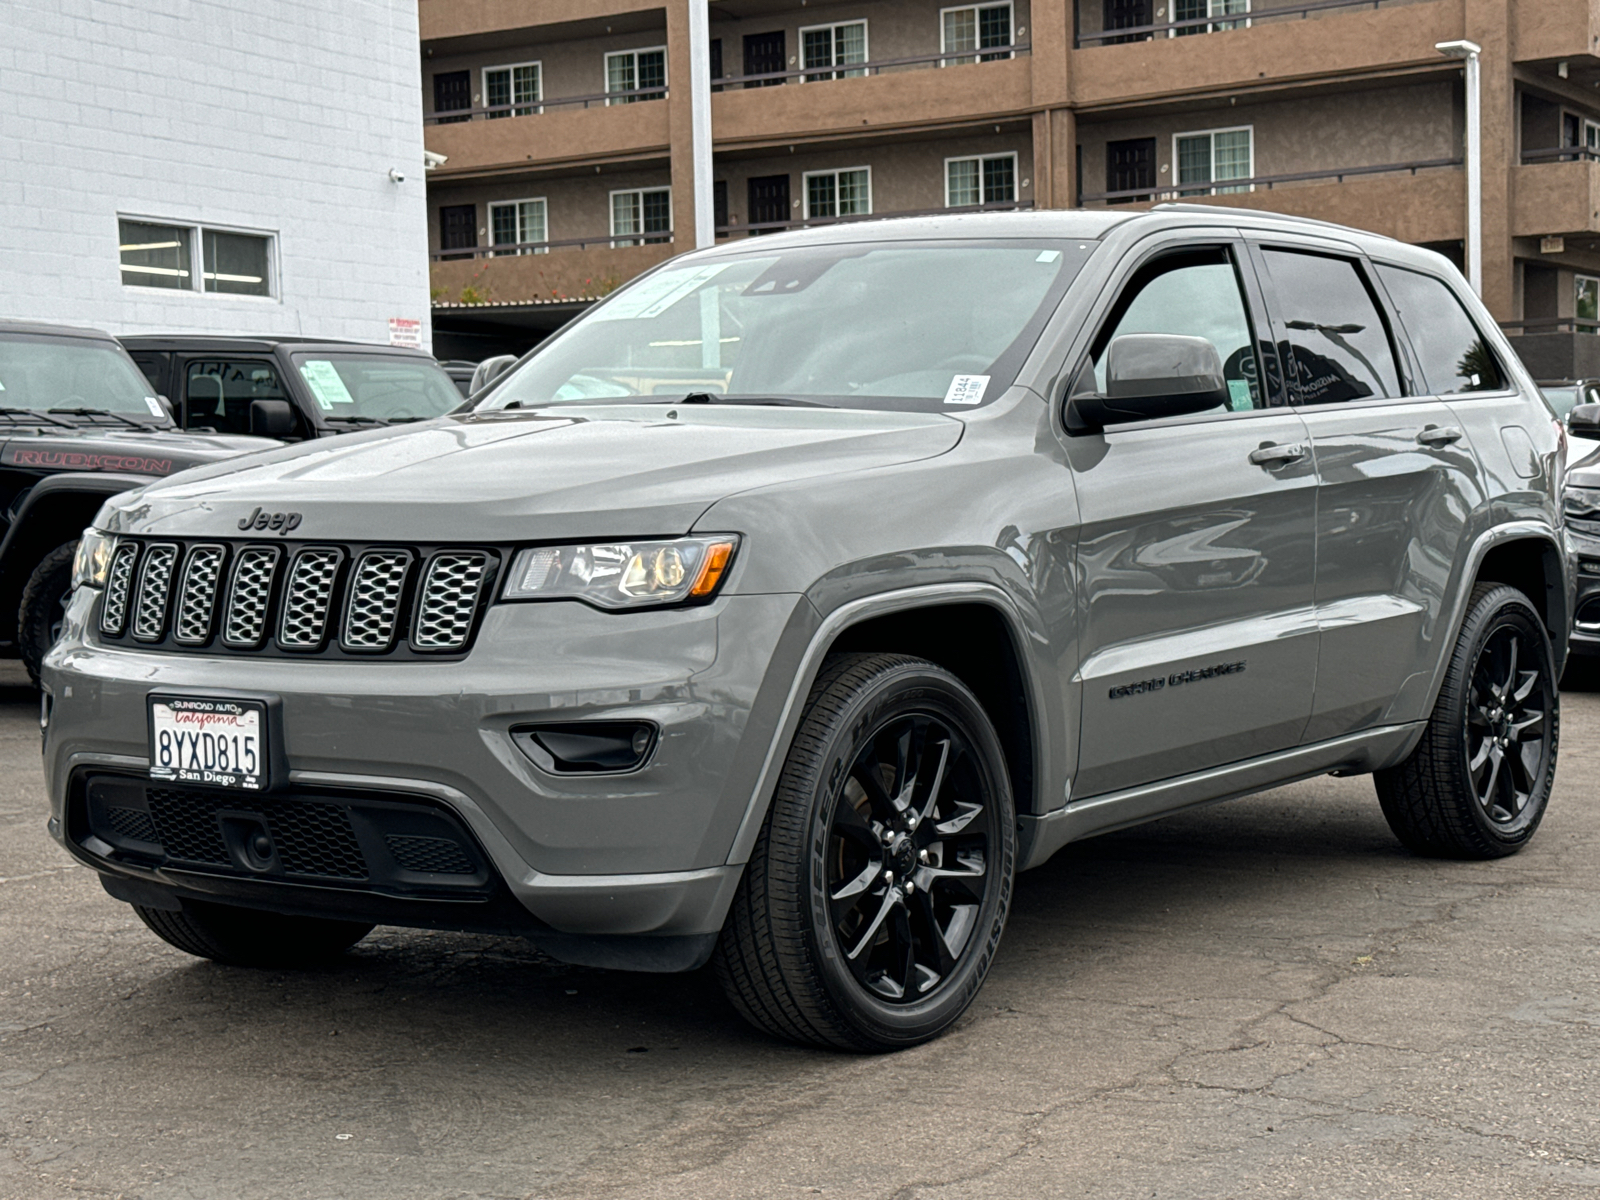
(278, 522)
(1176, 679)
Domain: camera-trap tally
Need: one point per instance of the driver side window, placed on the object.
(1195, 293)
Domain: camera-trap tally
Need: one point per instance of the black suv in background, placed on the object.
(291, 388)
(77, 423)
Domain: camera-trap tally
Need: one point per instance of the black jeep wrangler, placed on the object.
(78, 422)
(288, 387)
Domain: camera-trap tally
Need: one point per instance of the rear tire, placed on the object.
(44, 606)
(246, 937)
(878, 889)
(1479, 781)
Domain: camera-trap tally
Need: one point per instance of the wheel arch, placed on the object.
(1525, 555)
(920, 621)
(55, 510)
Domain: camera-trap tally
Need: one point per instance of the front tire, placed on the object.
(1478, 783)
(872, 906)
(44, 606)
(247, 937)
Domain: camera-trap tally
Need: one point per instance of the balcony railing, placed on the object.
(877, 66)
(881, 66)
(1217, 23)
(531, 108)
(1552, 325)
(512, 249)
(1265, 182)
(1561, 154)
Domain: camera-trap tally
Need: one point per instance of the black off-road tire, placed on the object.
(783, 961)
(1432, 799)
(43, 605)
(244, 937)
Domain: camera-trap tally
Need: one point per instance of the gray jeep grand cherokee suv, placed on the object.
(782, 608)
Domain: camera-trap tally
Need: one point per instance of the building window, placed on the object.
(637, 71)
(161, 255)
(1194, 10)
(1213, 156)
(975, 27)
(991, 179)
(1586, 298)
(519, 223)
(520, 84)
(838, 193)
(647, 212)
(156, 255)
(237, 263)
(833, 46)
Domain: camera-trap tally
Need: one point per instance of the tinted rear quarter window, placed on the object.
(1338, 346)
(1450, 349)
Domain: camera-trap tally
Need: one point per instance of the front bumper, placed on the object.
(642, 854)
(1585, 639)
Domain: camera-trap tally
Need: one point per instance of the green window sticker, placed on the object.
(325, 383)
(1239, 395)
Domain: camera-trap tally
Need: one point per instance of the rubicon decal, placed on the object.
(278, 522)
(1176, 679)
(70, 460)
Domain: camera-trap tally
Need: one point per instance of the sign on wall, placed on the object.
(405, 331)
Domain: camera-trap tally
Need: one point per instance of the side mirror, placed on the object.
(271, 418)
(488, 371)
(1584, 421)
(1151, 375)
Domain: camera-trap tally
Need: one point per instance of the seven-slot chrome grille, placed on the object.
(296, 598)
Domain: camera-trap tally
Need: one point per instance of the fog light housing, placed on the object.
(587, 747)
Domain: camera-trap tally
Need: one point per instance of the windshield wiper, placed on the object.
(36, 415)
(356, 420)
(776, 401)
(99, 412)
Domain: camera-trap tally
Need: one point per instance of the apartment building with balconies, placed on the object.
(566, 128)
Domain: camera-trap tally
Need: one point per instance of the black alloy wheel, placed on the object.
(1479, 780)
(874, 899)
(908, 852)
(1507, 726)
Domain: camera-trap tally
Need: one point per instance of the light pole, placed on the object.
(1469, 51)
(705, 233)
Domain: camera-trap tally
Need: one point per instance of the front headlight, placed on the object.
(623, 574)
(1581, 502)
(93, 559)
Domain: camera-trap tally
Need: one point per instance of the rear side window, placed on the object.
(1330, 330)
(1452, 353)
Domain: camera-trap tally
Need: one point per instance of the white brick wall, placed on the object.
(278, 115)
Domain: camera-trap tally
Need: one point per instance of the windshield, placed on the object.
(42, 373)
(909, 325)
(376, 388)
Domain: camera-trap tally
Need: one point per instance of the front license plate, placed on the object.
(215, 742)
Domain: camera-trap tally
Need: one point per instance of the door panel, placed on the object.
(765, 53)
(1196, 563)
(1396, 480)
(452, 90)
(1130, 164)
(458, 228)
(768, 200)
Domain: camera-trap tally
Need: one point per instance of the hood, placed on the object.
(1586, 471)
(613, 471)
(123, 451)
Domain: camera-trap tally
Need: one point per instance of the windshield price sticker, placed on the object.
(325, 383)
(217, 743)
(967, 389)
(653, 296)
(154, 406)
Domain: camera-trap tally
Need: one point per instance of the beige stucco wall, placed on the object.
(1352, 129)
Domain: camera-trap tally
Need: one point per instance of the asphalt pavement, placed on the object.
(1264, 998)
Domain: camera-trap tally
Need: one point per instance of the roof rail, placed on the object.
(1257, 214)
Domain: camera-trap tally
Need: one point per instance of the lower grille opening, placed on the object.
(390, 844)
